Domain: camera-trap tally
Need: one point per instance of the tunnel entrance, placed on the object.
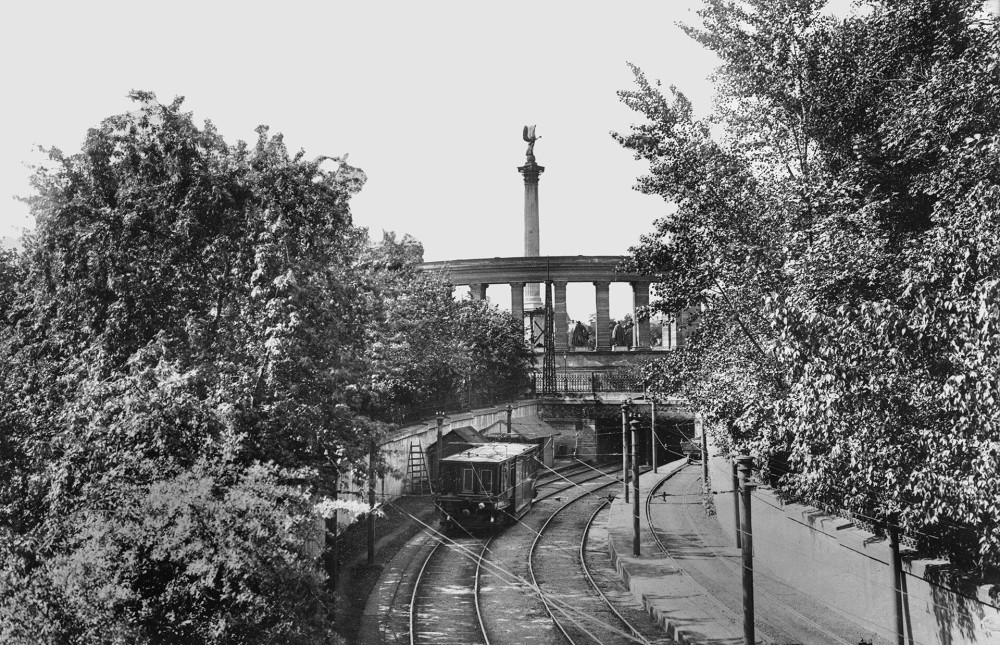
(672, 428)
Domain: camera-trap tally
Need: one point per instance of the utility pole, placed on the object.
(371, 505)
(440, 450)
(897, 577)
(510, 411)
(704, 458)
(652, 432)
(625, 407)
(549, 357)
(745, 462)
(634, 423)
(736, 504)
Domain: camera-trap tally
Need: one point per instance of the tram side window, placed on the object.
(504, 479)
(468, 480)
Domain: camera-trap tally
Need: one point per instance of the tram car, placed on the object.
(487, 486)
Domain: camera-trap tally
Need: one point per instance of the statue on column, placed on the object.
(528, 134)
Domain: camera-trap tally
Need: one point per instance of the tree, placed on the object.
(838, 238)
(499, 356)
(427, 350)
(182, 305)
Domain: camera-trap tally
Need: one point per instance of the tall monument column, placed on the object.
(530, 171)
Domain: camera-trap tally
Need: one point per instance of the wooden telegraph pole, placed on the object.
(634, 423)
(745, 462)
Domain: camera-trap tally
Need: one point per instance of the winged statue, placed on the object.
(528, 134)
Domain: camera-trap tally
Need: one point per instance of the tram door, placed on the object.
(518, 480)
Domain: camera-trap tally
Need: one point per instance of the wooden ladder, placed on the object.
(417, 481)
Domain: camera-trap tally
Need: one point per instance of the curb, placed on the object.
(669, 626)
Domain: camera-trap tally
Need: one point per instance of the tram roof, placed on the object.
(491, 452)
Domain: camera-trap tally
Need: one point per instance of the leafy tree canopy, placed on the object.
(432, 352)
(195, 342)
(835, 228)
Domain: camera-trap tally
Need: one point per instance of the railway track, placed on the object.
(441, 582)
(584, 614)
(444, 607)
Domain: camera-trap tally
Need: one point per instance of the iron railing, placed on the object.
(593, 382)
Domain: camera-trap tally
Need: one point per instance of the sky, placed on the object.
(428, 98)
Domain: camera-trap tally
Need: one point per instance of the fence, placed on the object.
(592, 382)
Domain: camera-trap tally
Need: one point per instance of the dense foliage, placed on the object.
(836, 227)
(187, 361)
(432, 352)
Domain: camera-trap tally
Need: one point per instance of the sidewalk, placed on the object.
(694, 590)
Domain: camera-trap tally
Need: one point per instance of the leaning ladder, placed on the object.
(417, 481)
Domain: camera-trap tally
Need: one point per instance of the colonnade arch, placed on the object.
(561, 271)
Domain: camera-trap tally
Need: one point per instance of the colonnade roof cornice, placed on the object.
(557, 268)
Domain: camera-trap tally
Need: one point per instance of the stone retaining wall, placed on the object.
(829, 558)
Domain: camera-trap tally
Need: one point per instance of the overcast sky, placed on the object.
(428, 98)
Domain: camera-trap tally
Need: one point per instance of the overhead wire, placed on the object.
(516, 581)
(876, 522)
(527, 526)
(757, 572)
(772, 578)
(865, 581)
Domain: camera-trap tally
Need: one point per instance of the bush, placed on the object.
(202, 557)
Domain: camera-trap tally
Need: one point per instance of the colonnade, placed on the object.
(560, 271)
(640, 299)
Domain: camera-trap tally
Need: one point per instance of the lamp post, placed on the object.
(510, 411)
(625, 408)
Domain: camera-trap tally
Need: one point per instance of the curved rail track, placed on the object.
(447, 610)
(444, 607)
(583, 614)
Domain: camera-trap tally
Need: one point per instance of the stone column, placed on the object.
(601, 330)
(517, 301)
(531, 171)
(640, 331)
(667, 333)
(478, 290)
(680, 329)
(561, 321)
